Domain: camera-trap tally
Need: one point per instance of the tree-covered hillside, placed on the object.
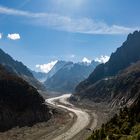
(123, 126)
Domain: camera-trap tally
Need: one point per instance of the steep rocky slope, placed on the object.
(124, 56)
(56, 68)
(20, 103)
(121, 89)
(19, 69)
(42, 77)
(123, 126)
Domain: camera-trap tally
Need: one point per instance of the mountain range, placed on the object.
(42, 77)
(117, 84)
(113, 81)
(66, 75)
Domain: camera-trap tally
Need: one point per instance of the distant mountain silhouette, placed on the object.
(20, 103)
(40, 76)
(124, 56)
(56, 68)
(19, 69)
(69, 75)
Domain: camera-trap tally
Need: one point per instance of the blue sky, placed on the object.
(69, 30)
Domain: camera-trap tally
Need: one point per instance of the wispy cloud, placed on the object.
(14, 36)
(102, 59)
(46, 67)
(65, 23)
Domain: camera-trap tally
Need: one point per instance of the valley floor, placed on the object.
(83, 120)
(69, 123)
(60, 121)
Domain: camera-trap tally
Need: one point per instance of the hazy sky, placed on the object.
(40, 31)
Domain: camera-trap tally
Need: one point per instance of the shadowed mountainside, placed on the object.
(19, 69)
(20, 103)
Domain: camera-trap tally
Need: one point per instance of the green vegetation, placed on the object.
(124, 126)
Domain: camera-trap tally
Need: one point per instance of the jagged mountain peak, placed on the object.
(68, 76)
(124, 56)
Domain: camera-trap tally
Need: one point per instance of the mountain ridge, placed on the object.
(19, 69)
(20, 103)
(69, 75)
(124, 56)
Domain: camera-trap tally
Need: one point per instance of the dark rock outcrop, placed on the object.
(20, 103)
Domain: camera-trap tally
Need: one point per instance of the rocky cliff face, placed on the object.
(120, 90)
(124, 56)
(19, 69)
(20, 103)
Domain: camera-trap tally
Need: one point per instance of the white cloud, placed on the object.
(46, 67)
(0, 35)
(86, 60)
(65, 23)
(14, 36)
(102, 59)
